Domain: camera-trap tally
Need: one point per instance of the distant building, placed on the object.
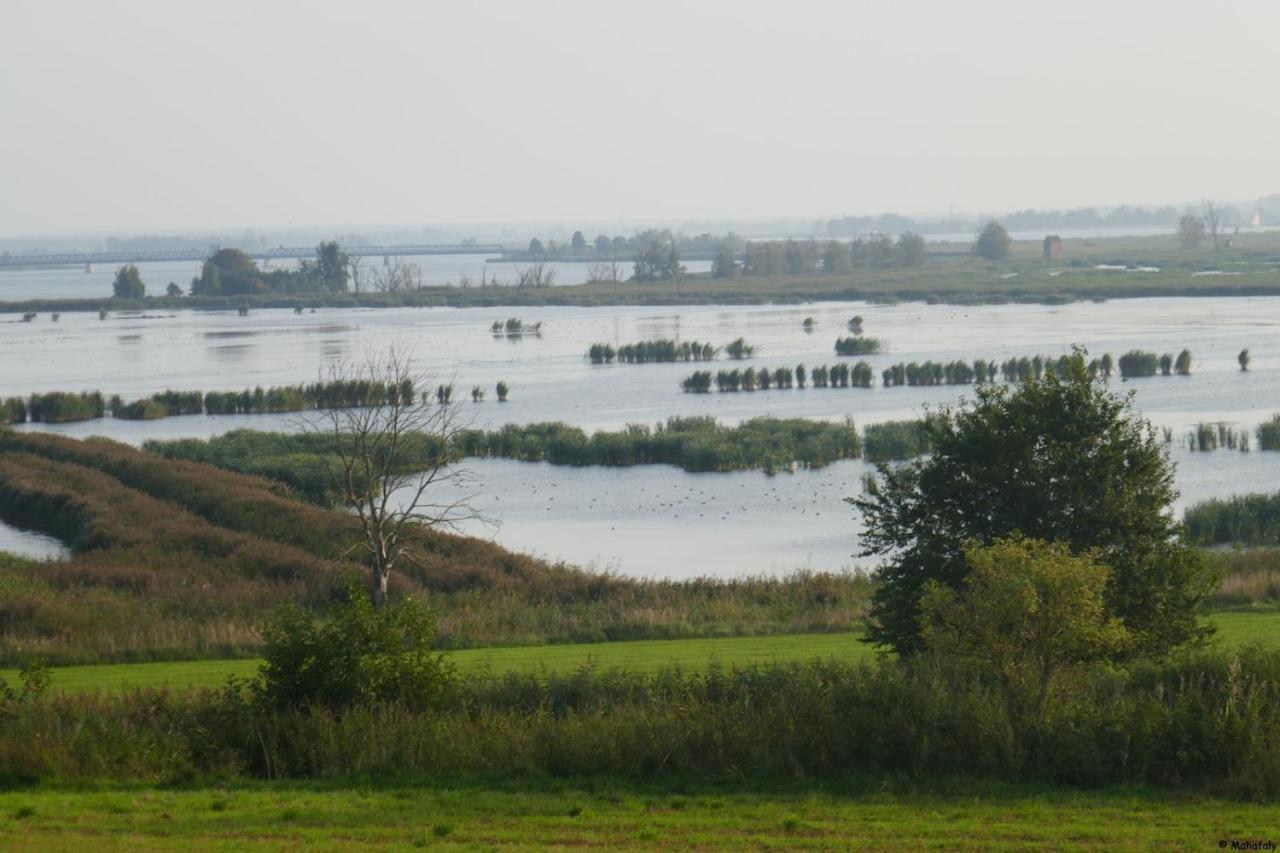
(1053, 248)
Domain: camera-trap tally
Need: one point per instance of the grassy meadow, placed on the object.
(1234, 629)
(555, 814)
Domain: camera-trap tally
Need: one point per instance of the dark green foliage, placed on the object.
(936, 373)
(139, 410)
(857, 345)
(13, 410)
(894, 440)
(33, 677)
(1166, 365)
(739, 349)
(647, 352)
(355, 655)
(1243, 359)
(1136, 363)
(1237, 520)
(502, 389)
(860, 376)
(61, 407)
(1182, 365)
(691, 443)
(1269, 434)
(697, 383)
(128, 284)
(1061, 459)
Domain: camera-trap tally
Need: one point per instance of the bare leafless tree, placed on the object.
(537, 274)
(353, 265)
(395, 465)
(397, 276)
(599, 272)
(1212, 215)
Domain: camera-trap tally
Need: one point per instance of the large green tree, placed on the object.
(128, 284)
(993, 242)
(1059, 458)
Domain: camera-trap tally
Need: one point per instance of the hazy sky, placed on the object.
(173, 115)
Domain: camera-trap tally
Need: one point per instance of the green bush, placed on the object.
(857, 345)
(356, 656)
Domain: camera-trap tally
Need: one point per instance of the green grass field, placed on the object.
(1234, 629)
(542, 815)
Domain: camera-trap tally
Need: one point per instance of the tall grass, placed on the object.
(690, 443)
(1208, 721)
(858, 345)
(893, 440)
(175, 559)
(1237, 520)
(1269, 433)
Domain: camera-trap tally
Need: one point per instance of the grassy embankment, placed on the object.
(949, 275)
(484, 814)
(177, 560)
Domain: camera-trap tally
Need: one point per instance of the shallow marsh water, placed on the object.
(658, 520)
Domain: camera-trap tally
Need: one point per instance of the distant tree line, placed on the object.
(231, 272)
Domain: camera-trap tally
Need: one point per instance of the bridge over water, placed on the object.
(126, 256)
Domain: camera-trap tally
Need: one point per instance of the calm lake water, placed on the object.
(658, 520)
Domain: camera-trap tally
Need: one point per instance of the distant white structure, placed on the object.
(1256, 220)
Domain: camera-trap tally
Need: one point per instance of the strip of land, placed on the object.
(1234, 629)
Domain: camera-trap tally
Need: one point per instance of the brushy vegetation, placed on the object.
(891, 440)
(1238, 520)
(1207, 437)
(515, 327)
(859, 375)
(939, 373)
(62, 407)
(1269, 434)
(178, 560)
(1207, 721)
(691, 443)
(858, 345)
(648, 352)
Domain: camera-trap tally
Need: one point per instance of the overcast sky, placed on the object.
(175, 115)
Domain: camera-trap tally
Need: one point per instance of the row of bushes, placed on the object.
(64, 407)
(1208, 722)
(1137, 363)
(938, 373)
(763, 379)
(690, 443)
(667, 350)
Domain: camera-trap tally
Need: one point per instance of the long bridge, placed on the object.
(138, 256)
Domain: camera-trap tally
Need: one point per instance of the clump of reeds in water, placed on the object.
(514, 327)
(1212, 436)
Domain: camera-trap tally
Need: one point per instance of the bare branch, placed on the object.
(394, 460)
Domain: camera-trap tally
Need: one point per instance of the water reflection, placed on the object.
(28, 543)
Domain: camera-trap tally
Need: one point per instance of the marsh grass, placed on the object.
(174, 559)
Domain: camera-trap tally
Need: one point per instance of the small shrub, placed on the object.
(357, 656)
